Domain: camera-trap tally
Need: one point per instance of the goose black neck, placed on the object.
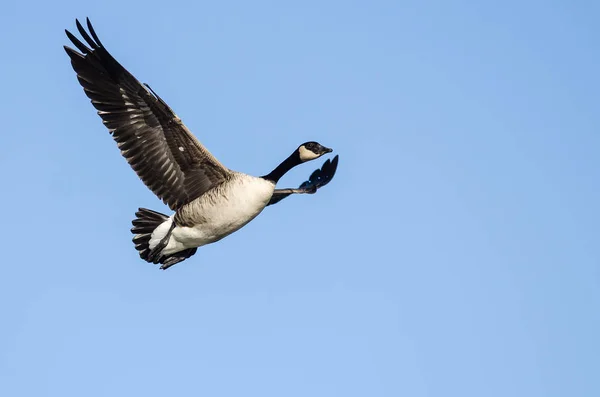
(284, 167)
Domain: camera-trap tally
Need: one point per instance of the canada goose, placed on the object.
(210, 201)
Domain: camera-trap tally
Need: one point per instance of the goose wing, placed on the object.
(319, 178)
(161, 150)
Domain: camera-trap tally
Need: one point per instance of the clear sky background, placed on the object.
(455, 253)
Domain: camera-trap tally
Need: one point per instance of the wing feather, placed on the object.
(157, 145)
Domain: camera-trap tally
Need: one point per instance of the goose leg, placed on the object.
(304, 190)
(155, 252)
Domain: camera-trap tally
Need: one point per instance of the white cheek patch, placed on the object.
(306, 155)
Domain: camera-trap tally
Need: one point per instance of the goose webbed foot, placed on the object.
(319, 178)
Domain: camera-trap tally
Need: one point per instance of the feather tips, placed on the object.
(153, 140)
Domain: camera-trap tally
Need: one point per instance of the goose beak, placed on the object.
(327, 150)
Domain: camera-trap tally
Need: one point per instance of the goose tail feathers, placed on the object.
(144, 225)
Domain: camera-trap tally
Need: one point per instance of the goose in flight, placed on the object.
(209, 200)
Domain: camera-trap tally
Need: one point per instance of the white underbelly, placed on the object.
(236, 205)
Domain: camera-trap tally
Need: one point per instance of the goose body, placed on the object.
(216, 214)
(209, 200)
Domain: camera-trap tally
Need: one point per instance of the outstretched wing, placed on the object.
(319, 178)
(153, 140)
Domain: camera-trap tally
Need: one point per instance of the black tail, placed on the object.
(144, 224)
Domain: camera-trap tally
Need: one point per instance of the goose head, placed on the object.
(311, 150)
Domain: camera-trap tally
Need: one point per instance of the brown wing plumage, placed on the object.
(157, 145)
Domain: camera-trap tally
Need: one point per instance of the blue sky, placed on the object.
(455, 253)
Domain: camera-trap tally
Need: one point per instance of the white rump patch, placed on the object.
(159, 233)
